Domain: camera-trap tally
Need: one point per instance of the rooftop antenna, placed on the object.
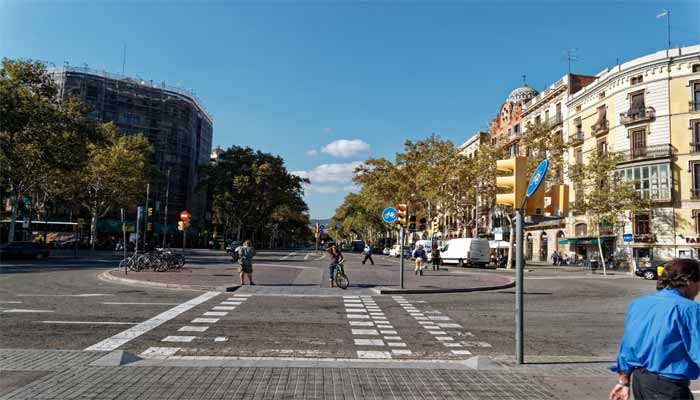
(569, 56)
(124, 59)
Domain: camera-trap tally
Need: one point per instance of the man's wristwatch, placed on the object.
(623, 383)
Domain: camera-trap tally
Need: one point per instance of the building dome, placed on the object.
(522, 94)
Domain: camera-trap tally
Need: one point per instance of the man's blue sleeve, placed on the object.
(625, 354)
(690, 333)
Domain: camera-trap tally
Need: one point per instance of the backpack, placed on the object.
(235, 256)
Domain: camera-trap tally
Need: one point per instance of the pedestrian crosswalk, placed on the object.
(375, 329)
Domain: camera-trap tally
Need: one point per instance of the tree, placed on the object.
(114, 175)
(39, 135)
(604, 194)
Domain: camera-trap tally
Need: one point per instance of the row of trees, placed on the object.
(52, 154)
(255, 197)
(434, 178)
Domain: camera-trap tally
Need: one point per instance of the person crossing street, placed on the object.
(368, 254)
(335, 257)
(421, 257)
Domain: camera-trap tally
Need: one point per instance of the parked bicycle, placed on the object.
(159, 260)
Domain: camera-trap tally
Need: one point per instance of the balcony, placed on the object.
(695, 147)
(575, 169)
(555, 120)
(644, 238)
(600, 128)
(693, 106)
(605, 230)
(576, 138)
(642, 115)
(695, 194)
(648, 152)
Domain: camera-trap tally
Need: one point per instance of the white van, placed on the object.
(472, 252)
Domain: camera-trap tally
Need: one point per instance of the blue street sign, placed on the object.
(389, 215)
(321, 228)
(628, 238)
(537, 178)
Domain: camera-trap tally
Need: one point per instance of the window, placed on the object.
(636, 80)
(650, 181)
(695, 138)
(510, 133)
(696, 67)
(602, 146)
(493, 141)
(638, 142)
(577, 124)
(516, 129)
(601, 95)
(695, 170)
(578, 155)
(578, 108)
(642, 224)
(696, 217)
(695, 105)
(546, 115)
(636, 104)
(514, 150)
(538, 119)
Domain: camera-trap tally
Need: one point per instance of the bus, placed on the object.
(58, 233)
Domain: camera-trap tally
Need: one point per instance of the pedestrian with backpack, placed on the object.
(368, 254)
(420, 257)
(245, 260)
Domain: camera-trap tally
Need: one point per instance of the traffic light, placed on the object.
(516, 183)
(535, 203)
(180, 225)
(422, 225)
(412, 223)
(558, 201)
(435, 226)
(149, 227)
(150, 211)
(401, 211)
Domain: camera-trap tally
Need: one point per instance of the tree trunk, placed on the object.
(93, 231)
(14, 204)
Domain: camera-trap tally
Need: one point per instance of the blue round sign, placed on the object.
(389, 215)
(537, 178)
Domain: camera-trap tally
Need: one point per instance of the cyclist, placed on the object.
(335, 257)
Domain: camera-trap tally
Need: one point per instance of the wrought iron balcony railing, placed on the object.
(645, 238)
(555, 120)
(648, 152)
(695, 147)
(600, 128)
(576, 138)
(641, 115)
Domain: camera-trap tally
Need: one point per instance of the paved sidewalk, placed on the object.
(214, 271)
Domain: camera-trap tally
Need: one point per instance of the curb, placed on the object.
(442, 291)
(107, 276)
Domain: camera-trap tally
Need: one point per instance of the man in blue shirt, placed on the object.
(660, 348)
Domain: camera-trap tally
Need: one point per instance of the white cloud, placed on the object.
(330, 173)
(346, 148)
(312, 153)
(325, 189)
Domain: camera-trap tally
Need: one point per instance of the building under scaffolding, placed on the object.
(174, 120)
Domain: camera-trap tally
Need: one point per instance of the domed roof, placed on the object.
(521, 94)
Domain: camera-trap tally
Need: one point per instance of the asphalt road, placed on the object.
(60, 303)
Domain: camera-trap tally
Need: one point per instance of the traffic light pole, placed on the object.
(401, 240)
(519, 300)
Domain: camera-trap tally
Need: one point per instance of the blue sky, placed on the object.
(293, 78)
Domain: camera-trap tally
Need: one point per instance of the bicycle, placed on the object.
(339, 277)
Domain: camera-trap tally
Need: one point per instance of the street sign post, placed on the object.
(321, 228)
(389, 215)
(628, 238)
(535, 181)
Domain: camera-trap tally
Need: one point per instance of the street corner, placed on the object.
(441, 282)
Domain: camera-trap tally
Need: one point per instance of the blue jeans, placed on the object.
(331, 269)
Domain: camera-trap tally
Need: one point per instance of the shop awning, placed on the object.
(586, 240)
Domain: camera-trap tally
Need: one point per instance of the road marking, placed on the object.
(351, 297)
(437, 332)
(396, 344)
(392, 337)
(221, 339)
(128, 335)
(65, 295)
(365, 332)
(439, 318)
(179, 339)
(476, 344)
(224, 308)
(444, 338)
(288, 255)
(24, 310)
(215, 314)
(461, 352)
(230, 303)
(10, 302)
(87, 322)
(354, 305)
(388, 332)
(449, 325)
(361, 323)
(401, 352)
(452, 345)
(138, 303)
(205, 320)
(306, 257)
(373, 354)
(357, 316)
(159, 352)
(355, 310)
(193, 329)
(369, 342)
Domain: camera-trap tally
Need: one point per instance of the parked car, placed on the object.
(465, 251)
(357, 246)
(232, 246)
(395, 250)
(386, 251)
(24, 250)
(651, 272)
